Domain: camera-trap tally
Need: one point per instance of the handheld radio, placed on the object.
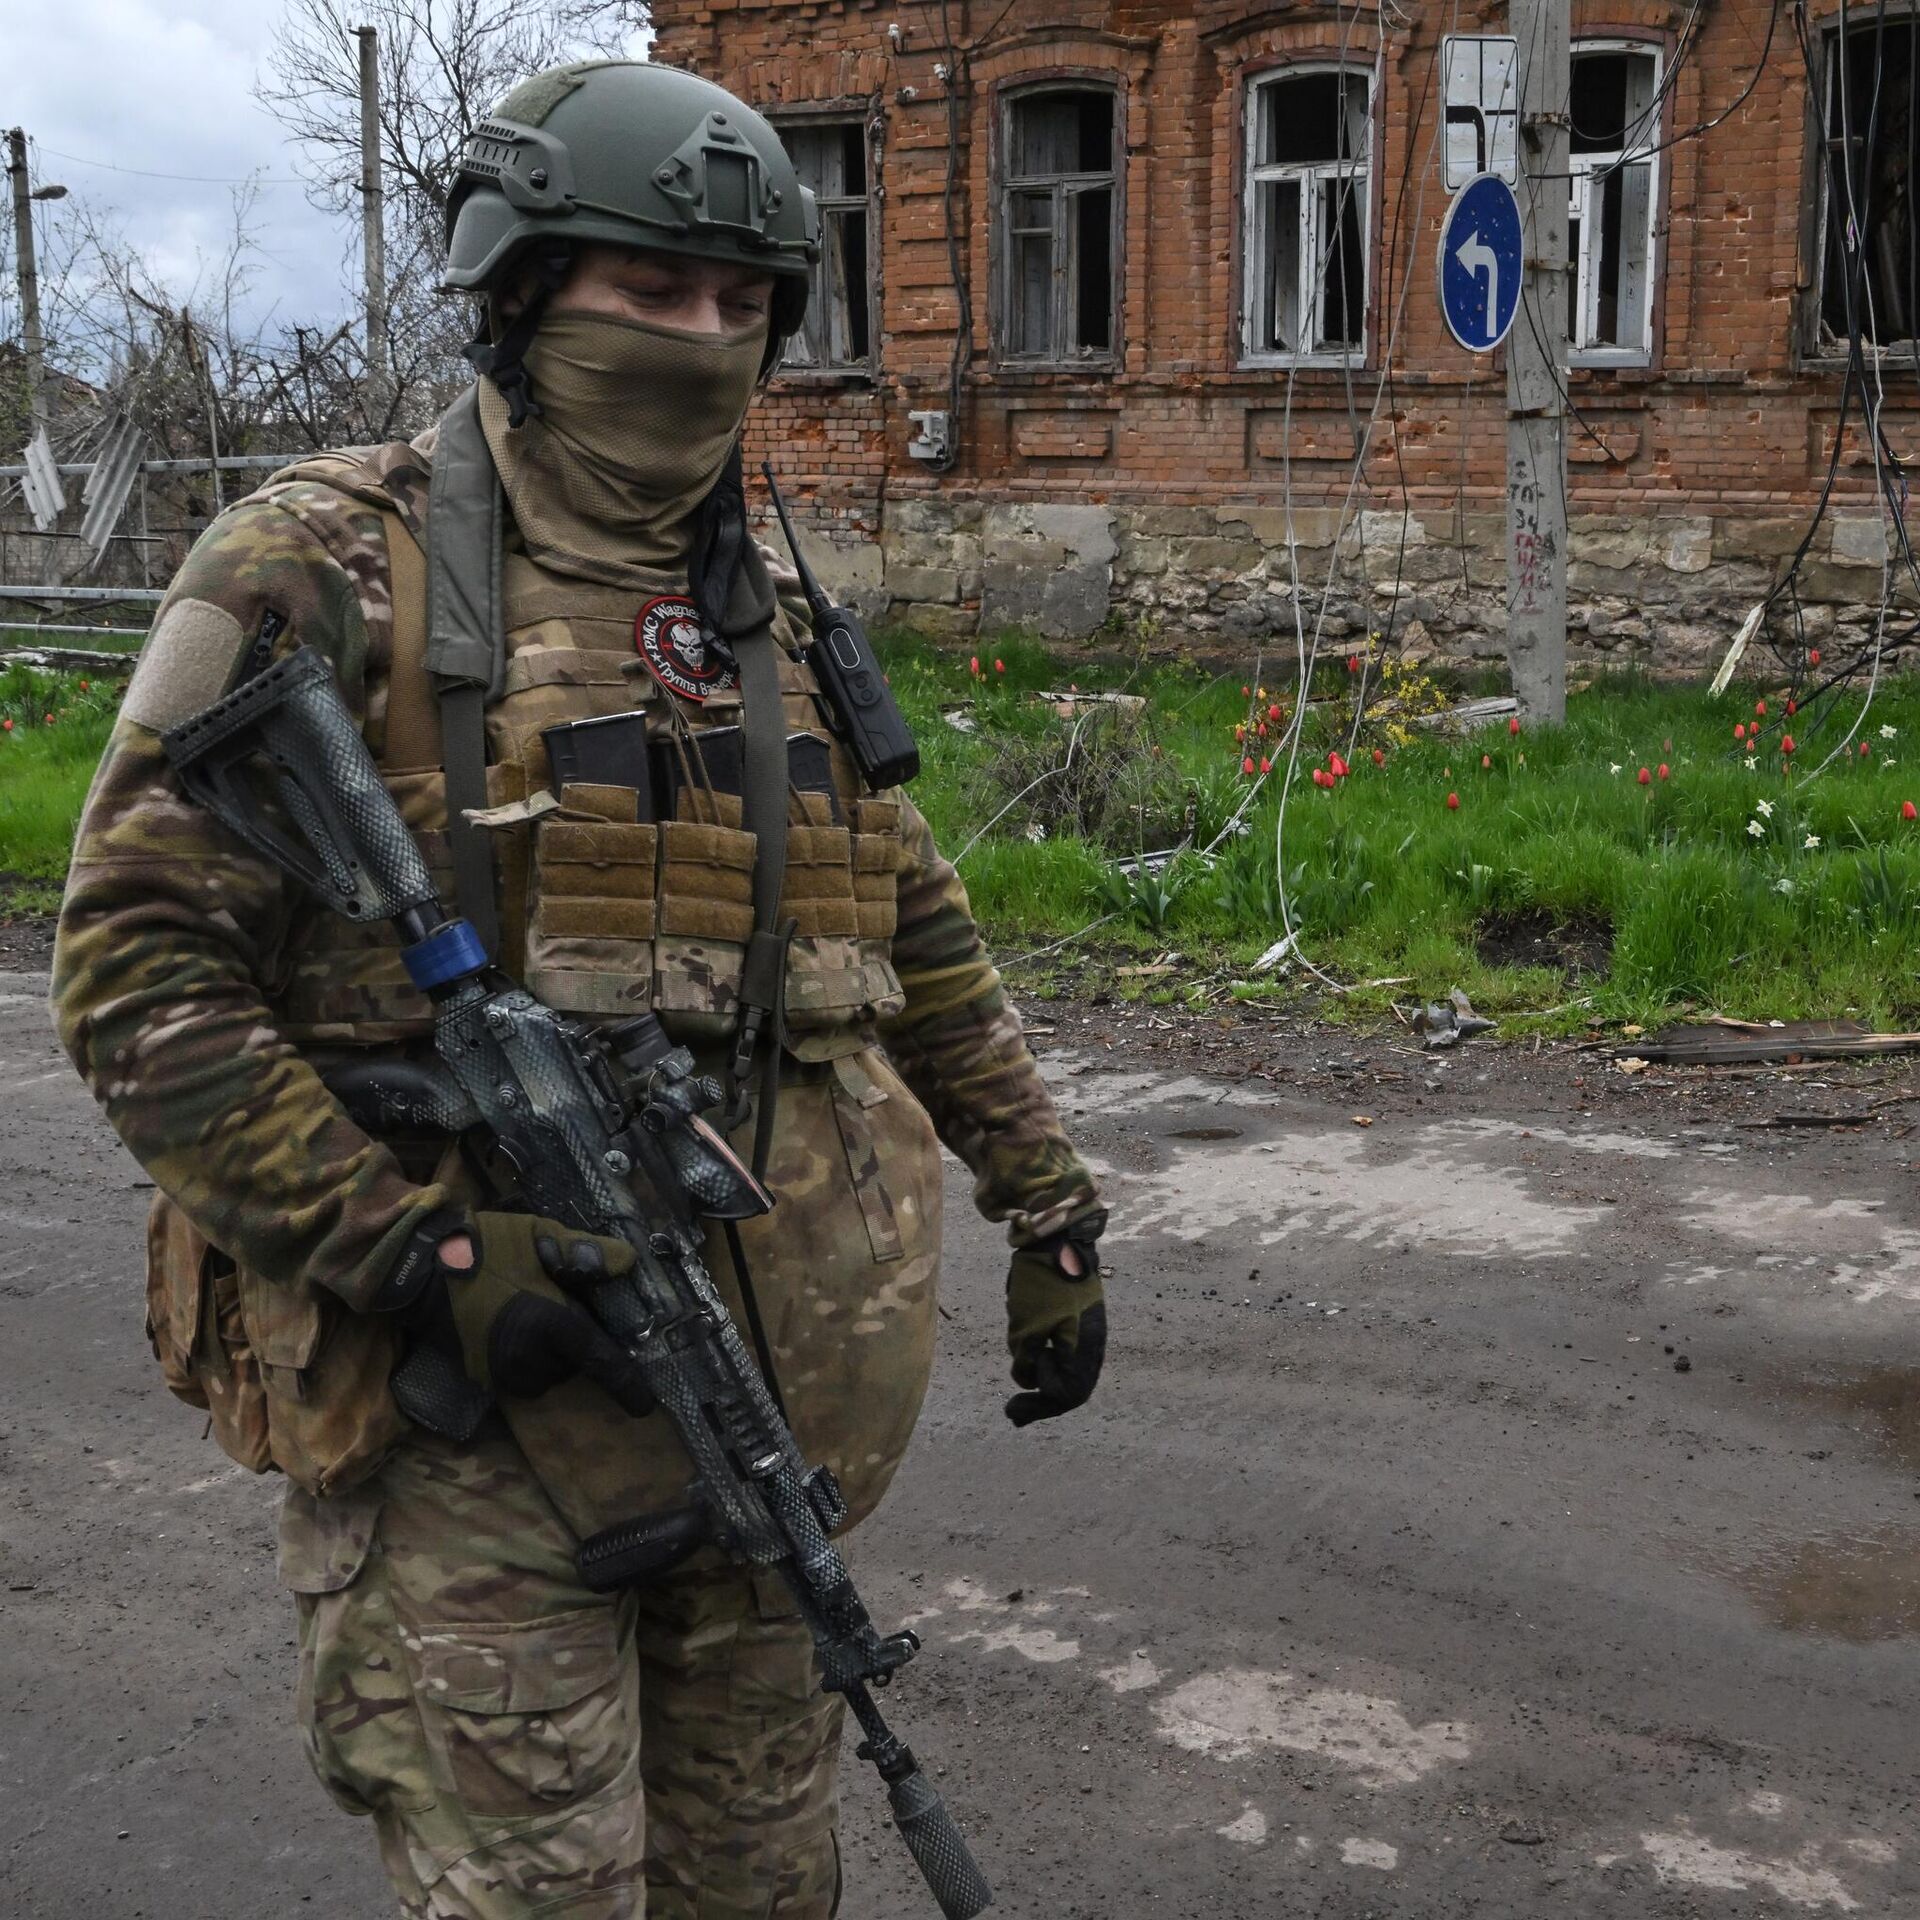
(864, 708)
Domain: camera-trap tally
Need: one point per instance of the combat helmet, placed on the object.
(633, 154)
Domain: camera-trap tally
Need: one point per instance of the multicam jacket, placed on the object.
(193, 983)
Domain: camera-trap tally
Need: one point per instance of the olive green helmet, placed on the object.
(630, 154)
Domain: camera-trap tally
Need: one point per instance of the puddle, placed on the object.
(1861, 1589)
(1206, 1133)
(1884, 1401)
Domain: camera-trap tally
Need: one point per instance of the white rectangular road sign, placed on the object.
(1482, 103)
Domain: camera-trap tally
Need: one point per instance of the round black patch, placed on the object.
(667, 636)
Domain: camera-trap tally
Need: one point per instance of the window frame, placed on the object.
(1582, 167)
(819, 280)
(1817, 348)
(1254, 175)
(1062, 189)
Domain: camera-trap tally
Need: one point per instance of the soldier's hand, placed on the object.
(497, 1287)
(1056, 1323)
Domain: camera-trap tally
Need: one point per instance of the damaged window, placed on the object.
(1308, 146)
(1057, 226)
(1869, 271)
(830, 156)
(1616, 123)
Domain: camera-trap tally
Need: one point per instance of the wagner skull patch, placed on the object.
(667, 636)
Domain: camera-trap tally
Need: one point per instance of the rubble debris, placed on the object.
(1468, 714)
(1445, 1023)
(1722, 1042)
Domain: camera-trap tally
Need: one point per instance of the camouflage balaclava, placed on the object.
(634, 426)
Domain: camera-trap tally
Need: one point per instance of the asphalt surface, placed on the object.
(1397, 1570)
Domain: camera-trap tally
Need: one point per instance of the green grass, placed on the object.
(45, 770)
(1384, 882)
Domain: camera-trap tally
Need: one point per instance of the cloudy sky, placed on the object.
(116, 94)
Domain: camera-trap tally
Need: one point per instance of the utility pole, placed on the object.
(33, 341)
(1537, 370)
(372, 223)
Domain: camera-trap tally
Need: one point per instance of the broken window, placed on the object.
(1308, 147)
(1057, 226)
(830, 156)
(1616, 124)
(1869, 270)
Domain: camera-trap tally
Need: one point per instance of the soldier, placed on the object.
(640, 243)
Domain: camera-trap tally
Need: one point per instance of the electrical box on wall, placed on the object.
(929, 440)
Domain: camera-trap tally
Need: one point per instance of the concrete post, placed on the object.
(372, 221)
(32, 340)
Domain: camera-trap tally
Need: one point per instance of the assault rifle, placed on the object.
(604, 1129)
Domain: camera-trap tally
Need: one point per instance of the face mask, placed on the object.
(635, 424)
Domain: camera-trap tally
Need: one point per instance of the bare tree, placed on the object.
(443, 63)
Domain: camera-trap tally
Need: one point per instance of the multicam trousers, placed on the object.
(526, 1747)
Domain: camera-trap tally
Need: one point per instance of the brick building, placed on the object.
(1166, 278)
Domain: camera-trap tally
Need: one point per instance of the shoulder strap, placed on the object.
(465, 640)
(411, 741)
(763, 804)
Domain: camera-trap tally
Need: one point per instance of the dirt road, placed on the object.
(1400, 1568)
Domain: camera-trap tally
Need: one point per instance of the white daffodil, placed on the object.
(1756, 829)
(1765, 808)
(1810, 842)
(1887, 733)
(1615, 768)
(1751, 763)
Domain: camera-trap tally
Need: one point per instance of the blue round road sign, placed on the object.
(1482, 256)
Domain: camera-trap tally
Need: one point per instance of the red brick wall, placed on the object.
(1724, 423)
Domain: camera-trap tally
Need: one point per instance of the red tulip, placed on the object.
(974, 664)
(1353, 663)
(1663, 769)
(1266, 765)
(1644, 777)
(999, 666)
(83, 686)
(1863, 749)
(1239, 733)
(1453, 803)
(1336, 766)
(1908, 811)
(1273, 712)
(1486, 760)
(49, 719)
(1786, 743)
(6, 726)
(1513, 725)
(1740, 730)
(1813, 657)
(1379, 758)
(1760, 707)
(1245, 691)
(1793, 707)
(1246, 765)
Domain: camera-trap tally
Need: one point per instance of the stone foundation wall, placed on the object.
(1665, 592)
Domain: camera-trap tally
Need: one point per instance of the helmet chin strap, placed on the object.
(501, 360)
